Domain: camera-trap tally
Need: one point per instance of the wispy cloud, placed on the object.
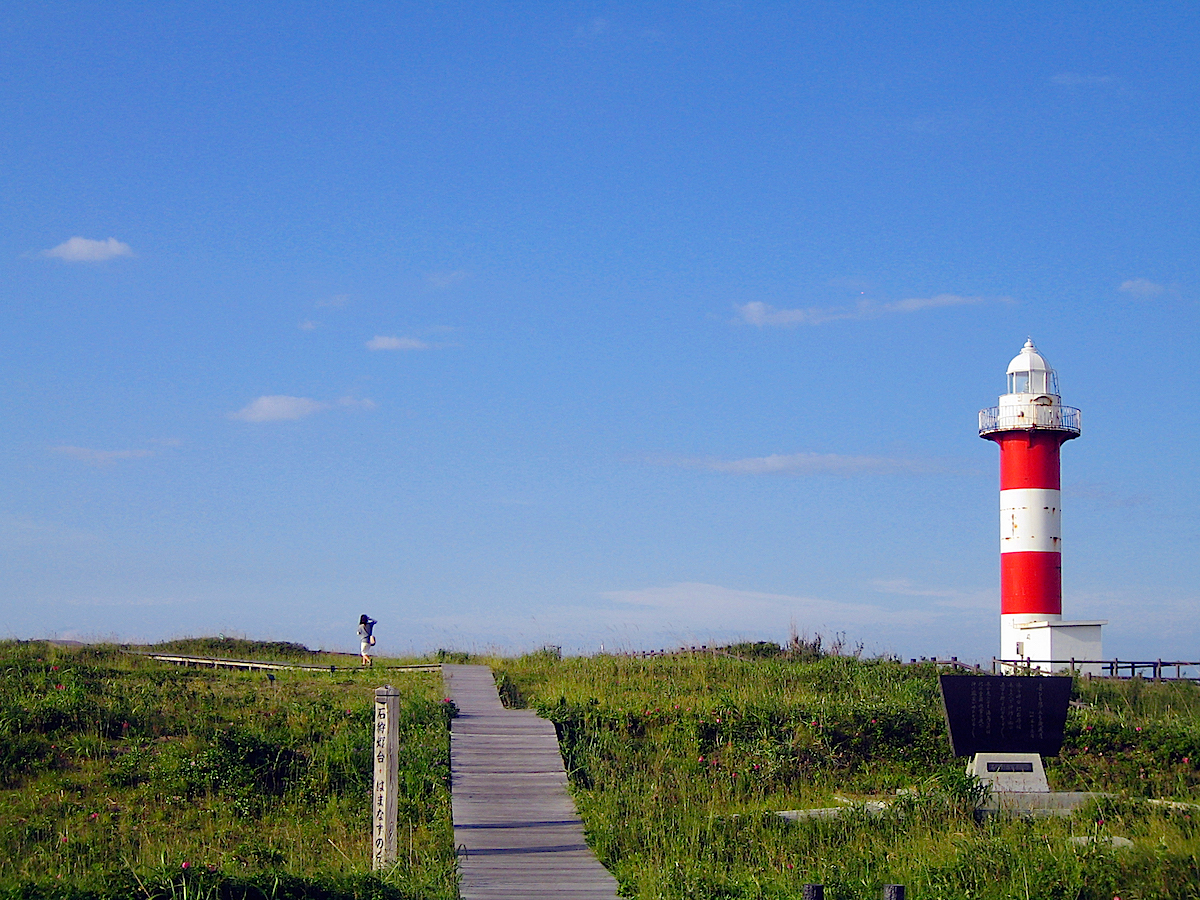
(386, 342)
(799, 464)
(1142, 288)
(357, 402)
(282, 408)
(600, 29)
(711, 606)
(79, 249)
(309, 325)
(905, 588)
(16, 531)
(1103, 495)
(99, 457)
(337, 300)
(443, 280)
(940, 597)
(1074, 79)
(763, 314)
(673, 615)
(594, 28)
(278, 408)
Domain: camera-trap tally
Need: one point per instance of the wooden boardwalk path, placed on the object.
(518, 834)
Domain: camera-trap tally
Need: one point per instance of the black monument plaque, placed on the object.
(1005, 713)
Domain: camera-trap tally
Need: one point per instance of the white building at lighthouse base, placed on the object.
(1047, 643)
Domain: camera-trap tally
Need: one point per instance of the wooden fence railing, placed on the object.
(210, 662)
(1153, 669)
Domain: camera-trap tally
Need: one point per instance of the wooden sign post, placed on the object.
(385, 783)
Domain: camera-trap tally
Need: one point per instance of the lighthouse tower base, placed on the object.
(1046, 643)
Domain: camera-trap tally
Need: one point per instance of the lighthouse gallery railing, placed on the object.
(1060, 418)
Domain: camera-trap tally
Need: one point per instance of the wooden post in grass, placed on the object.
(385, 731)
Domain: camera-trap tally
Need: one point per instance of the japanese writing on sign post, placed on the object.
(384, 784)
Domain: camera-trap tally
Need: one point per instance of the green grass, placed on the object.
(678, 763)
(124, 777)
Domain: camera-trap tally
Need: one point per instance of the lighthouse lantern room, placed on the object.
(1030, 425)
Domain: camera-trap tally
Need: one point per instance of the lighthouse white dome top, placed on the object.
(1032, 401)
(1029, 373)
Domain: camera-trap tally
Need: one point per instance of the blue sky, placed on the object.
(587, 324)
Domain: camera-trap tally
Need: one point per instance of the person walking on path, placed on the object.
(366, 640)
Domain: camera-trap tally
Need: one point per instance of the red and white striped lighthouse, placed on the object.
(1030, 424)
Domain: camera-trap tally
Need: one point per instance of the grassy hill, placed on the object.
(679, 763)
(125, 777)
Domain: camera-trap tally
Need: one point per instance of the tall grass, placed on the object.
(678, 765)
(121, 776)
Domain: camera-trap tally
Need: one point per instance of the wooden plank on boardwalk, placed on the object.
(516, 827)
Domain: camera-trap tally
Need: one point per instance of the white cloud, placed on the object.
(802, 464)
(442, 280)
(384, 342)
(758, 313)
(278, 408)
(100, 457)
(79, 249)
(309, 325)
(1142, 288)
(337, 300)
(1073, 79)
